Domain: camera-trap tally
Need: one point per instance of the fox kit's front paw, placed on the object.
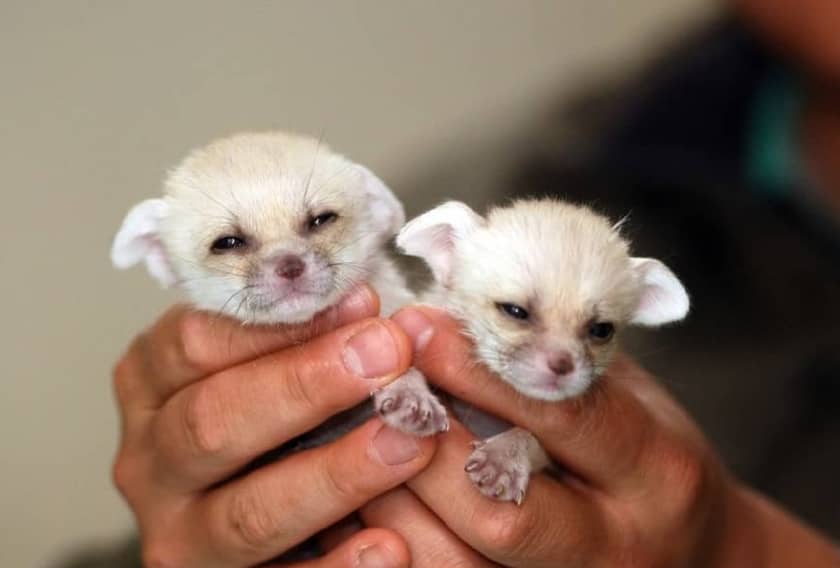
(408, 405)
(500, 467)
(497, 473)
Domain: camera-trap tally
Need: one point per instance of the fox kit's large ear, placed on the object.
(138, 240)
(385, 210)
(663, 298)
(433, 236)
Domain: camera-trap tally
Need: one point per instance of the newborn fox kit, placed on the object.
(273, 228)
(542, 287)
(266, 228)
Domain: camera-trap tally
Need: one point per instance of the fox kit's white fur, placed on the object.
(274, 228)
(542, 287)
(276, 197)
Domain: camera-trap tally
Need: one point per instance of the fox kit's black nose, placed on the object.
(561, 363)
(290, 267)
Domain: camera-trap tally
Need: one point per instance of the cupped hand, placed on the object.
(200, 397)
(641, 487)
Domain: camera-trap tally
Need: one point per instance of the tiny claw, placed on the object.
(472, 465)
(520, 496)
(445, 427)
(484, 479)
(499, 490)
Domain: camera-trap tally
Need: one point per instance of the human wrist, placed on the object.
(757, 532)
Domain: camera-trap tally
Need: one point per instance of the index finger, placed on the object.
(186, 345)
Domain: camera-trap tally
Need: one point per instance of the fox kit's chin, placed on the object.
(294, 307)
(542, 287)
(548, 386)
(259, 308)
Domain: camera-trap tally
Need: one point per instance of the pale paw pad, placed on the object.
(411, 410)
(498, 472)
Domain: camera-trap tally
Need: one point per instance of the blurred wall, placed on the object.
(98, 98)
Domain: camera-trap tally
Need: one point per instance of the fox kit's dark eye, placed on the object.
(601, 332)
(317, 221)
(514, 311)
(226, 243)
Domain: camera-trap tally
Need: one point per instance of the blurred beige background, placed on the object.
(99, 98)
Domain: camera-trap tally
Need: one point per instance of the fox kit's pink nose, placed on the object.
(290, 267)
(561, 363)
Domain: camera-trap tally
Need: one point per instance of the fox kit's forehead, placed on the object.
(263, 182)
(562, 260)
(248, 158)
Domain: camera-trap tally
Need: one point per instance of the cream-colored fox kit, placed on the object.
(273, 228)
(542, 287)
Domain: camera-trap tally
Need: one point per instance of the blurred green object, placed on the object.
(774, 165)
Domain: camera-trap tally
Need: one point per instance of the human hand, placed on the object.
(201, 397)
(642, 486)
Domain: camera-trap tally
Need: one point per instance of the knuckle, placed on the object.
(120, 382)
(166, 359)
(299, 387)
(340, 485)
(192, 347)
(161, 553)
(249, 523)
(688, 479)
(203, 422)
(122, 474)
(507, 531)
(173, 346)
(124, 375)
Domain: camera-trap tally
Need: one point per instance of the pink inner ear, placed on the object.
(157, 263)
(385, 209)
(650, 300)
(440, 248)
(663, 298)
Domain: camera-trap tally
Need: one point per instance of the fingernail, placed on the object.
(371, 352)
(356, 304)
(393, 447)
(416, 325)
(376, 556)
